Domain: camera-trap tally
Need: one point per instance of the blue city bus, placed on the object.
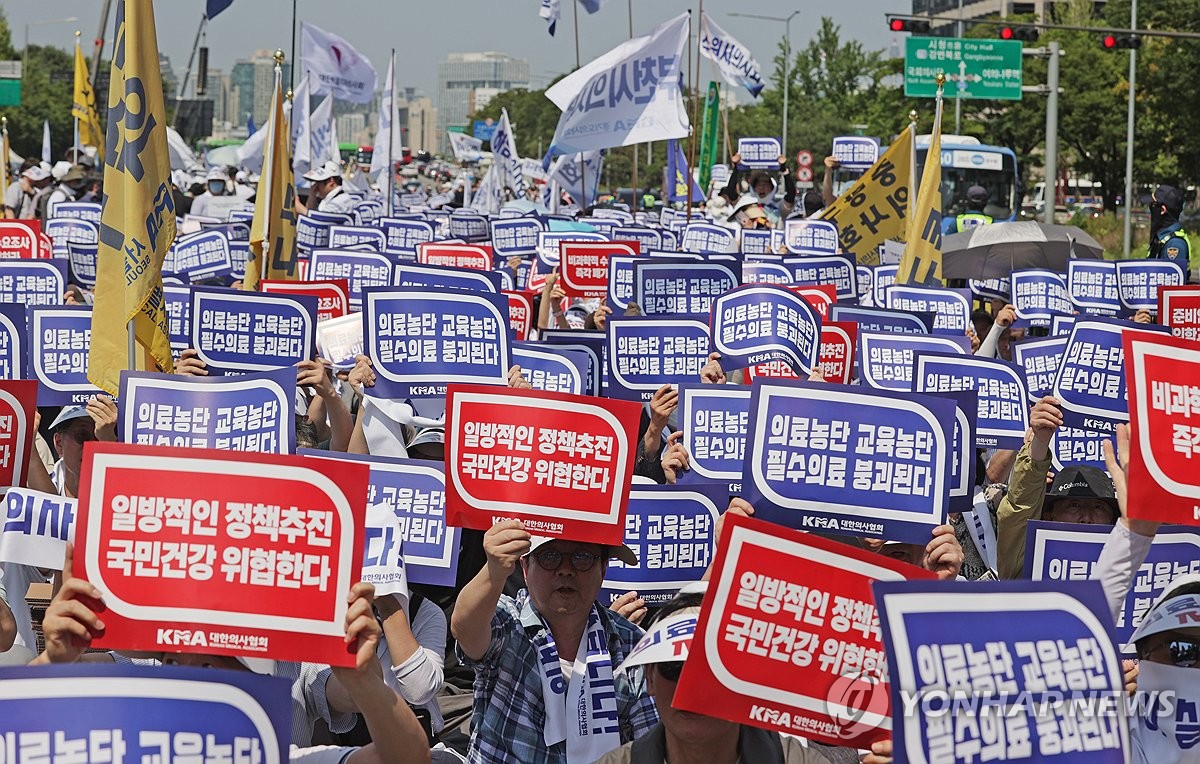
(966, 162)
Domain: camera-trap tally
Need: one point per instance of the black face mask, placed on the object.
(1156, 219)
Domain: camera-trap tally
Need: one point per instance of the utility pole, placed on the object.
(1128, 237)
(1051, 192)
(98, 50)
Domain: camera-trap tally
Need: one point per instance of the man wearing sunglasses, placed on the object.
(544, 687)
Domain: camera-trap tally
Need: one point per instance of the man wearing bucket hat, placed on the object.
(71, 180)
(544, 687)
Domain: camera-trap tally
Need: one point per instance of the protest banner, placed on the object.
(81, 263)
(515, 238)
(766, 271)
(362, 270)
(759, 153)
(200, 256)
(402, 237)
(89, 211)
(714, 420)
(836, 362)
(855, 152)
(1091, 379)
(1092, 286)
(959, 691)
(1039, 360)
(36, 529)
(647, 238)
(1038, 295)
(818, 457)
(1178, 309)
(806, 236)
(886, 361)
(756, 242)
(882, 277)
(59, 339)
(1003, 413)
(235, 332)
(1070, 445)
(143, 713)
(882, 320)
(962, 462)
(476, 257)
(594, 345)
(992, 289)
(178, 303)
(951, 308)
(1060, 326)
(333, 296)
(788, 638)
(313, 227)
(521, 315)
(250, 412)
(357, 237)
(33, 282)
(759, 323)
(672, 530)
(18, 406)
(813, 270)
(64, 231)
(864, 275)
(559, 463)
(421, 340)
(221, 553)
(340, 340)
(820, 297)
(553, 369)
(647, 352)
(20, 239)
(875, 207)
(1069, 552)
(1138, 281)
(14, 341)
(707, 238)
(445, 277)
(383, 556)
(549, 246)
(583, 265)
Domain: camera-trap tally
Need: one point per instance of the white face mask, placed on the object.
(1175, 714)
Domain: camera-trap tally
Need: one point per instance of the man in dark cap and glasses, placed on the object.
(1168, 240)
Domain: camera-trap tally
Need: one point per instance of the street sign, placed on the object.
(10, 92)
(10, 70)
(974, 68)
(804, 175)
(804, 158)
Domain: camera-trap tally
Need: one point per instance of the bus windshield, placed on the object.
(962, 167)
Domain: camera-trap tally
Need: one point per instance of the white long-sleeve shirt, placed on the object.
(419, 678)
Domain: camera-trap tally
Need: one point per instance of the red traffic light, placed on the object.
(1006, 33)
(1022, 33)
(1110, 41)
(1120, 42)
(897, 25)
(901, 24)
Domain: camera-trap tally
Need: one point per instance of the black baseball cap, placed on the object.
(1082, 481)
(1170, 197)
(977, 194)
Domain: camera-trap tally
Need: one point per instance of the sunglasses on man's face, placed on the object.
(671, 670)
(1184, 653)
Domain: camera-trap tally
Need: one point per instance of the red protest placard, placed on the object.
(18, 402)
(788, 637)
(21, 239)
(584, 265)
(819, 296)
(520, 314)
(837, 356)
(1162, 375)
(475, 256)
(1179, 308)
(333, 295)
(219, 552)
(560, 463)
(45, 246)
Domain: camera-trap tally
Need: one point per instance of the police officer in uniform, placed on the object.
(977, 199)
(1168, 240)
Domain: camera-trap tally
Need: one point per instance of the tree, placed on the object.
(46, 94)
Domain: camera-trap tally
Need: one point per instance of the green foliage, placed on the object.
(42, 99)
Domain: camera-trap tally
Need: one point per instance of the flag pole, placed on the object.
(636, 195)
(695, 106)
(292, 72)
(75, 147)
(4, 151)
(391, 160)
(582, 165)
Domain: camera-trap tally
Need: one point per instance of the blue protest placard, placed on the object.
(63, 231)
(866, 280)
(1038, 295)
(1069, 552)
(714, 420)
(990, 289)
(553, 369)
(550, 242)
(200, 256)
(886, 361)
(1138, 282)
(759, 153)
(401, 237)
(1003, 410)
(855, 152)
(516, 238)
(362, 270)
(707, 238)
(420, 341)
(963, 463)
(951, 308)
(82, 261)
(59, 339)
(672, 530)
(14, 338)
(1039, 359)
(445, 277)
(762, 323)
(1072, 445)
(1060, 326)
(236, 332)
(144, 713)
(882, 277)
(1092, 286)
(469, 226)
(592, 344)
(33, 282)
(832, 269)
(251, 412)
(670, 241)
(767, 272)
(666, 288)
(881, 319)
(833, 458)
(756, 242)
(645, 353)
(810, 237)
(312, 228)
(239, 255)
(1090, 384)
(959, 689)
(621, 289)
(647, 238)
(178, 302)
(356, 237)
(89, 211)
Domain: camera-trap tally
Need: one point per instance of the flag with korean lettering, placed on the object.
(672, 530)
(761, 322)
(18, 401)
(875, 207)
(734, 60)
(220, 552)
(143, 713)
(273, 229)
(1042, 682)
(921, 262)
(647, 352)
(137, 224)
(714, 421)
(788, 638)
(836, 459)
(561, 464)
(36, 528)
(1003, 414)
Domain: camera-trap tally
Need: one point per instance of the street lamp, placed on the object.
(47, 22)
(787, 62)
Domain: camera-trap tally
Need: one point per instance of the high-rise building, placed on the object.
(462, 75)
(253, 81)
(422, 124)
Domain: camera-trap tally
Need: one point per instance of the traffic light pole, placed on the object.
(1050, 194)
(1128, 232)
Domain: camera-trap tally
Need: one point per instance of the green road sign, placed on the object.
(974, 68)
(10, 92)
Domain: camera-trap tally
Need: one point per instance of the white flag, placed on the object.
(571, 170)
(386, 152)
(335, 66)
(505, 158)
(629, 95)
(182, 156)
(335, 143)
(322, 146)
(488, 197)
(466, 148)
(733, 59)
(47, 155)
(301, 129)
(549, 11)
(250, 153)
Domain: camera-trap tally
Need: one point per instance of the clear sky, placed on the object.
(423, 32)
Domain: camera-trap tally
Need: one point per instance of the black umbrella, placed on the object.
(996, 250)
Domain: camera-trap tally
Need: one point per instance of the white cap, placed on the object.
(668, 641)
(36, 173)
(324, 172)
(622, 552)
(67, 414)
(1176, 608)
(217, 173)
(60, 170)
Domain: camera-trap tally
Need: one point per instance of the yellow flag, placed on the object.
(273, 230)
(875, 207)
(137, 223)
(84, 106)
(921, 262)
